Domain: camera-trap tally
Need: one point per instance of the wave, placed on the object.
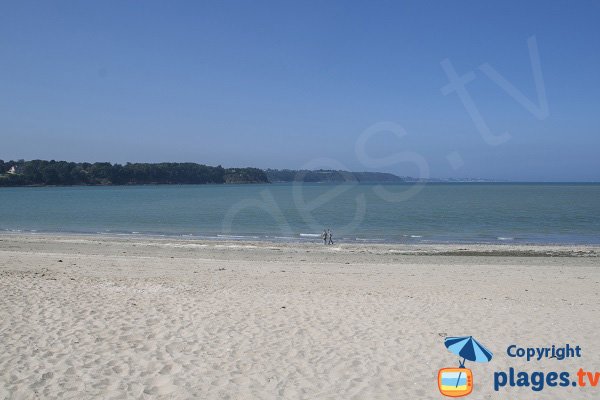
(394, 237)
(237, 237)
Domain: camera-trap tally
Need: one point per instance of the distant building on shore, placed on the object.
(15, 170)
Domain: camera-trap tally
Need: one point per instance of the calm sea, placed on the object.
(401, 213)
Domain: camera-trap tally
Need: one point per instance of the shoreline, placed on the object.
(376, 249)
(314, 238)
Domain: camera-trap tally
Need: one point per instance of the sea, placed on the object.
(528, 213)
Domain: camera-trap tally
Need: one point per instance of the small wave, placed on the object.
(505, 238)
(310, 235)
(237, 237)
(416, 236)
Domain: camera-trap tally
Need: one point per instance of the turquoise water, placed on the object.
(453, 379)
(480, 213)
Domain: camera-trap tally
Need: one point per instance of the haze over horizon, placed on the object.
(299, 85)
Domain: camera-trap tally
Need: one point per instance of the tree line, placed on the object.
(41, 172)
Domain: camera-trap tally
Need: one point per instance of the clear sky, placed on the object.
(283, 84)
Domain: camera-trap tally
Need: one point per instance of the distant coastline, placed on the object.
(39, 173)
(63, 173)
(338, 176)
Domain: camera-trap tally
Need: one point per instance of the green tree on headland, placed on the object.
(41, 172)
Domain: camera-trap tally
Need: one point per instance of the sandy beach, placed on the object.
(85, 317)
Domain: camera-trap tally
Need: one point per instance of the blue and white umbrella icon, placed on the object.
(469, 349)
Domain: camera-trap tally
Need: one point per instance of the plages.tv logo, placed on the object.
(458, 382)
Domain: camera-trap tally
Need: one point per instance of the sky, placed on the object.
(358, 85)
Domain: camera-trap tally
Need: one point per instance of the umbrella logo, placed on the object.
(458, 382)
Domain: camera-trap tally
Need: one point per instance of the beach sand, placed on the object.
(113, 318)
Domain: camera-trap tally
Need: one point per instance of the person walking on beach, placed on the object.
(330, 236)
(324, 237)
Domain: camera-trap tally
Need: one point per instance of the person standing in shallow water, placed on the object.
(330, 236)
(324, 237)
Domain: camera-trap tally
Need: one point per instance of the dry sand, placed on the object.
(113, 318)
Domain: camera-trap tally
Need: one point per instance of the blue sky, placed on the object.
(282, 84)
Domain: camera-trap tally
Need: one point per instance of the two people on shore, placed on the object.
(327, 236)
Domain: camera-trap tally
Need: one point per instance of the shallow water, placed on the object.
(401, 213)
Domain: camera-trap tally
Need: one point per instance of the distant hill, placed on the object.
(336, 176)
(322, 175)
(40, 172)
(44, 173)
